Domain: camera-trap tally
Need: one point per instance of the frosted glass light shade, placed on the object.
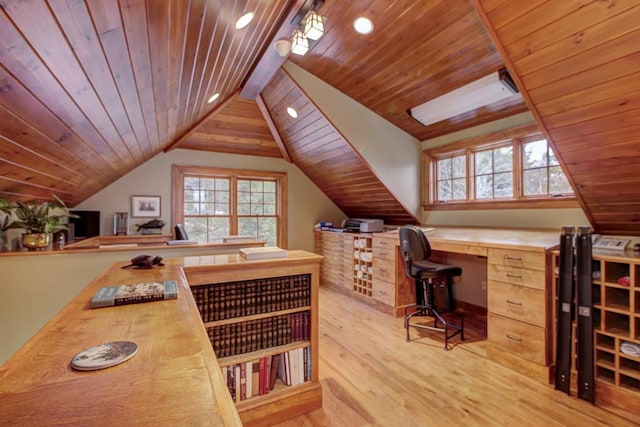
(299, 43)
(314, 26)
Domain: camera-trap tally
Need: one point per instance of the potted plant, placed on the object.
(40, 220)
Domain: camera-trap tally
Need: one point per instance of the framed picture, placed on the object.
(145, 206)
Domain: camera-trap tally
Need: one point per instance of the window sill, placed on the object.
(550, 203)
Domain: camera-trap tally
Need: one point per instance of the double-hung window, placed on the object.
(213, 203)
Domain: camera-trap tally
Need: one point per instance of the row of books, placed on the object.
(258, 377)
(254, 335)
(245, 298)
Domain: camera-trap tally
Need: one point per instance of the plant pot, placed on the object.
(35, 241)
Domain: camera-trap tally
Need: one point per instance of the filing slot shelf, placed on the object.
(363, 266)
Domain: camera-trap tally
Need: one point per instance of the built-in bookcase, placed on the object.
(264, 333)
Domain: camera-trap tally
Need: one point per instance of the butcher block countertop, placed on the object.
(174, 379)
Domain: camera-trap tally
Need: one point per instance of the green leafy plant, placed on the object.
(41, 217)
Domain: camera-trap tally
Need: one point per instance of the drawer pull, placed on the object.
(510, 258)
(513, 302)
(514, 276)
(509, 337)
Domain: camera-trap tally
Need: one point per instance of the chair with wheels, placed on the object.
(416, 251)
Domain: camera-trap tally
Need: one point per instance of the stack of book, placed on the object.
(245, 298)
(254, 335)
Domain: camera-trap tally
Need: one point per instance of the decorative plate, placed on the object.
(104, 355)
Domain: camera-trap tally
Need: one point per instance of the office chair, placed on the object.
(416, 251)
(181, 233)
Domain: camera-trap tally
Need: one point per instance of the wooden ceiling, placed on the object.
(418, 51)
(326, 157)
(90, 90)
(578, 65)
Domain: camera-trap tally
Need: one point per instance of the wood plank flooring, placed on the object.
(372, 377)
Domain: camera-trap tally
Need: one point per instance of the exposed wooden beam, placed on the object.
(272, 127)
(176, 143)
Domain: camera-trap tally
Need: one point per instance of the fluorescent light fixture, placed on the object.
(485, 91)
(244, 20)
(299, 43)
(213, 98)
(363, 25)
(292, 112)
(313, 26)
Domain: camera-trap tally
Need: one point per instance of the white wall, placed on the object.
(393, 154)
(307, 204)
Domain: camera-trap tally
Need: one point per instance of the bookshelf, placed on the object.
(616, 314)
(262, 325)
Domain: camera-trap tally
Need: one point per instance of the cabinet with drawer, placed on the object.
(517, 309)
(337, 266)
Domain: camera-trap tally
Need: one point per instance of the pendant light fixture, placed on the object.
(313, 25)
(299, 43)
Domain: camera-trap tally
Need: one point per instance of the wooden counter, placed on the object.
(173, 380)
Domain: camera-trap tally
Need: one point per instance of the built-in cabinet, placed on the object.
(366, 266)
(616, 317)
(517, 327)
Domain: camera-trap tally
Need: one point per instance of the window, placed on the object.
(213, 203)
(494, 173)
(509, 169)
(452, 178)
(542, 172)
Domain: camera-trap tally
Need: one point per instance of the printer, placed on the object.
(363, 225)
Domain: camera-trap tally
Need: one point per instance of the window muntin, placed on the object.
(214, 203)
(451, 178)
(494, 173)
(542, 172)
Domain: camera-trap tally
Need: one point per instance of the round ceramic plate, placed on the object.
(104, 355)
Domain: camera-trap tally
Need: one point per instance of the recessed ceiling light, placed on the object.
(213, 98)
(244, 20)
(363, 25)
(292, 112)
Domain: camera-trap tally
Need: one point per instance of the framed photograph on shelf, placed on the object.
(145, 206)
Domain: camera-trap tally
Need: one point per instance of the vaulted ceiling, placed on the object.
(90, 90)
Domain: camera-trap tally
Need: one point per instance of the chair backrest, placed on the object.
(414, 246)
(181, 233)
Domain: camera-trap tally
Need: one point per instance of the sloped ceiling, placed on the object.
(90, 90)
(322, 153)
(577, 63)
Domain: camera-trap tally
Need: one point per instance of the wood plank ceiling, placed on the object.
(418, 51)
(90, 90)
(323, 154)
(577, 63)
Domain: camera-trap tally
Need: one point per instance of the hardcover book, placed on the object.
(266, 252)
(135, 293)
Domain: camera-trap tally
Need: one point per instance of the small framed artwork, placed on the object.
(145, 206)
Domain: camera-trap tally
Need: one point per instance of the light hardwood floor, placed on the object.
(372, 377)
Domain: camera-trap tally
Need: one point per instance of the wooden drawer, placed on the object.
(384, 269)
(516, 258)
(384, 292)
(517, 302)
(522, 339)
(516, 276)
(384, 244)
(388, 254)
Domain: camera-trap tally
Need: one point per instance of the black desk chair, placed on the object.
(416, 251)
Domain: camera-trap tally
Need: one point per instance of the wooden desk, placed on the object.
(173, 380)
(518, 280)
